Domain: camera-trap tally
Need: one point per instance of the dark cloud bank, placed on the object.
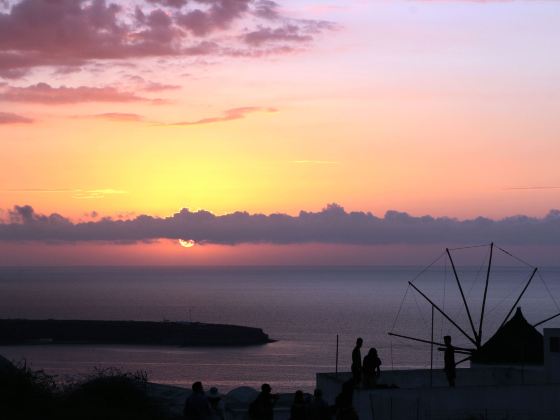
(332, 225)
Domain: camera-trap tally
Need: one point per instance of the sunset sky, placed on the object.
(118, 109)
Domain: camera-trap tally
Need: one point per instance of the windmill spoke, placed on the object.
(463, 297)
(437, 308)
(550, 318)
(485, 293)
(520, 296)
(420, 340)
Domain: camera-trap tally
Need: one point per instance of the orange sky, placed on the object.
(440, 108)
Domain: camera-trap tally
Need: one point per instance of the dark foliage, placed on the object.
(27, 394)
(107, 394)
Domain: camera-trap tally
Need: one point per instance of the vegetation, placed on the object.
(107, 394)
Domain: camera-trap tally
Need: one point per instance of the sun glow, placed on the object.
(187, 243)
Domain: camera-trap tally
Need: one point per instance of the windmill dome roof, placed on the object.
(516, 342)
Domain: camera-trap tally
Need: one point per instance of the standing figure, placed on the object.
(371, 368)
(449, 361)
(344, 407)
(197, 406)
(319, 409)
(263, 406)
(357, 362)
(298, 411)
(216, 404)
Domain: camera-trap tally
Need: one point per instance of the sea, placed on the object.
(315, 315)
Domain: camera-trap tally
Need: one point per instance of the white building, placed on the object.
(482, 392)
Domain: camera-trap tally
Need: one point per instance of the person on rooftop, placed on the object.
(371, 368)
(357, 362)
(449, 361)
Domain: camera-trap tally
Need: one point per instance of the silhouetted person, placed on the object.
(263, 406)
(319, 409)
(344, 408)
(371, 368)
(298, 411)
(216, 404)
(449, 361)
(357, 362)
(197, 406)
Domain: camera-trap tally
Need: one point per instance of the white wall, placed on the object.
(552, 354)
(484, 392)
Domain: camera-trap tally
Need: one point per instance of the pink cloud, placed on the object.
(43, 93)
(284, 33)
(71, 33)
(220, 15)
(139, 83)
(170, 3)
(228, 115)
(9, 118)
(119, 116)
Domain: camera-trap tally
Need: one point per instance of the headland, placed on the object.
(27, 331)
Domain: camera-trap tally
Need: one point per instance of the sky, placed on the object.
(286, 132)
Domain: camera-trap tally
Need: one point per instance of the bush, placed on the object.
(106, 395)
(110, 394)
(27, 394)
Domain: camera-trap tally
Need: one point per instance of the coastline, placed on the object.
(183, 334)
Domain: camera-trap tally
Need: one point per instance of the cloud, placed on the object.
(230, 114)
(71, 33)
(332, 225)
(138, 83)
(544, 187)
(285, 33)
(44, 93)
(119, 116)
(315, 162)
(76, 193)
(170, 3)
(9, 118)
(267, 9)
(471, 1)
(302, 32)
(95, 194)
(219, 16)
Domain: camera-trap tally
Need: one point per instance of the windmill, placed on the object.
(514, 341)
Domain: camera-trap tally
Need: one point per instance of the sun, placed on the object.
(187, 243)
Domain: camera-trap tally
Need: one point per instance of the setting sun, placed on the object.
(189, 243)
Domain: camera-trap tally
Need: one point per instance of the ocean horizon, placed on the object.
(302, 307)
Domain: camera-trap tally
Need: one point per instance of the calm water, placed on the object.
(303, 308)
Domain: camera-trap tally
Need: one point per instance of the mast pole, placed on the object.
(444, 314)
(477, 343)
(520, 296)
(485, 293)
(432, 350)
(336, 363)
